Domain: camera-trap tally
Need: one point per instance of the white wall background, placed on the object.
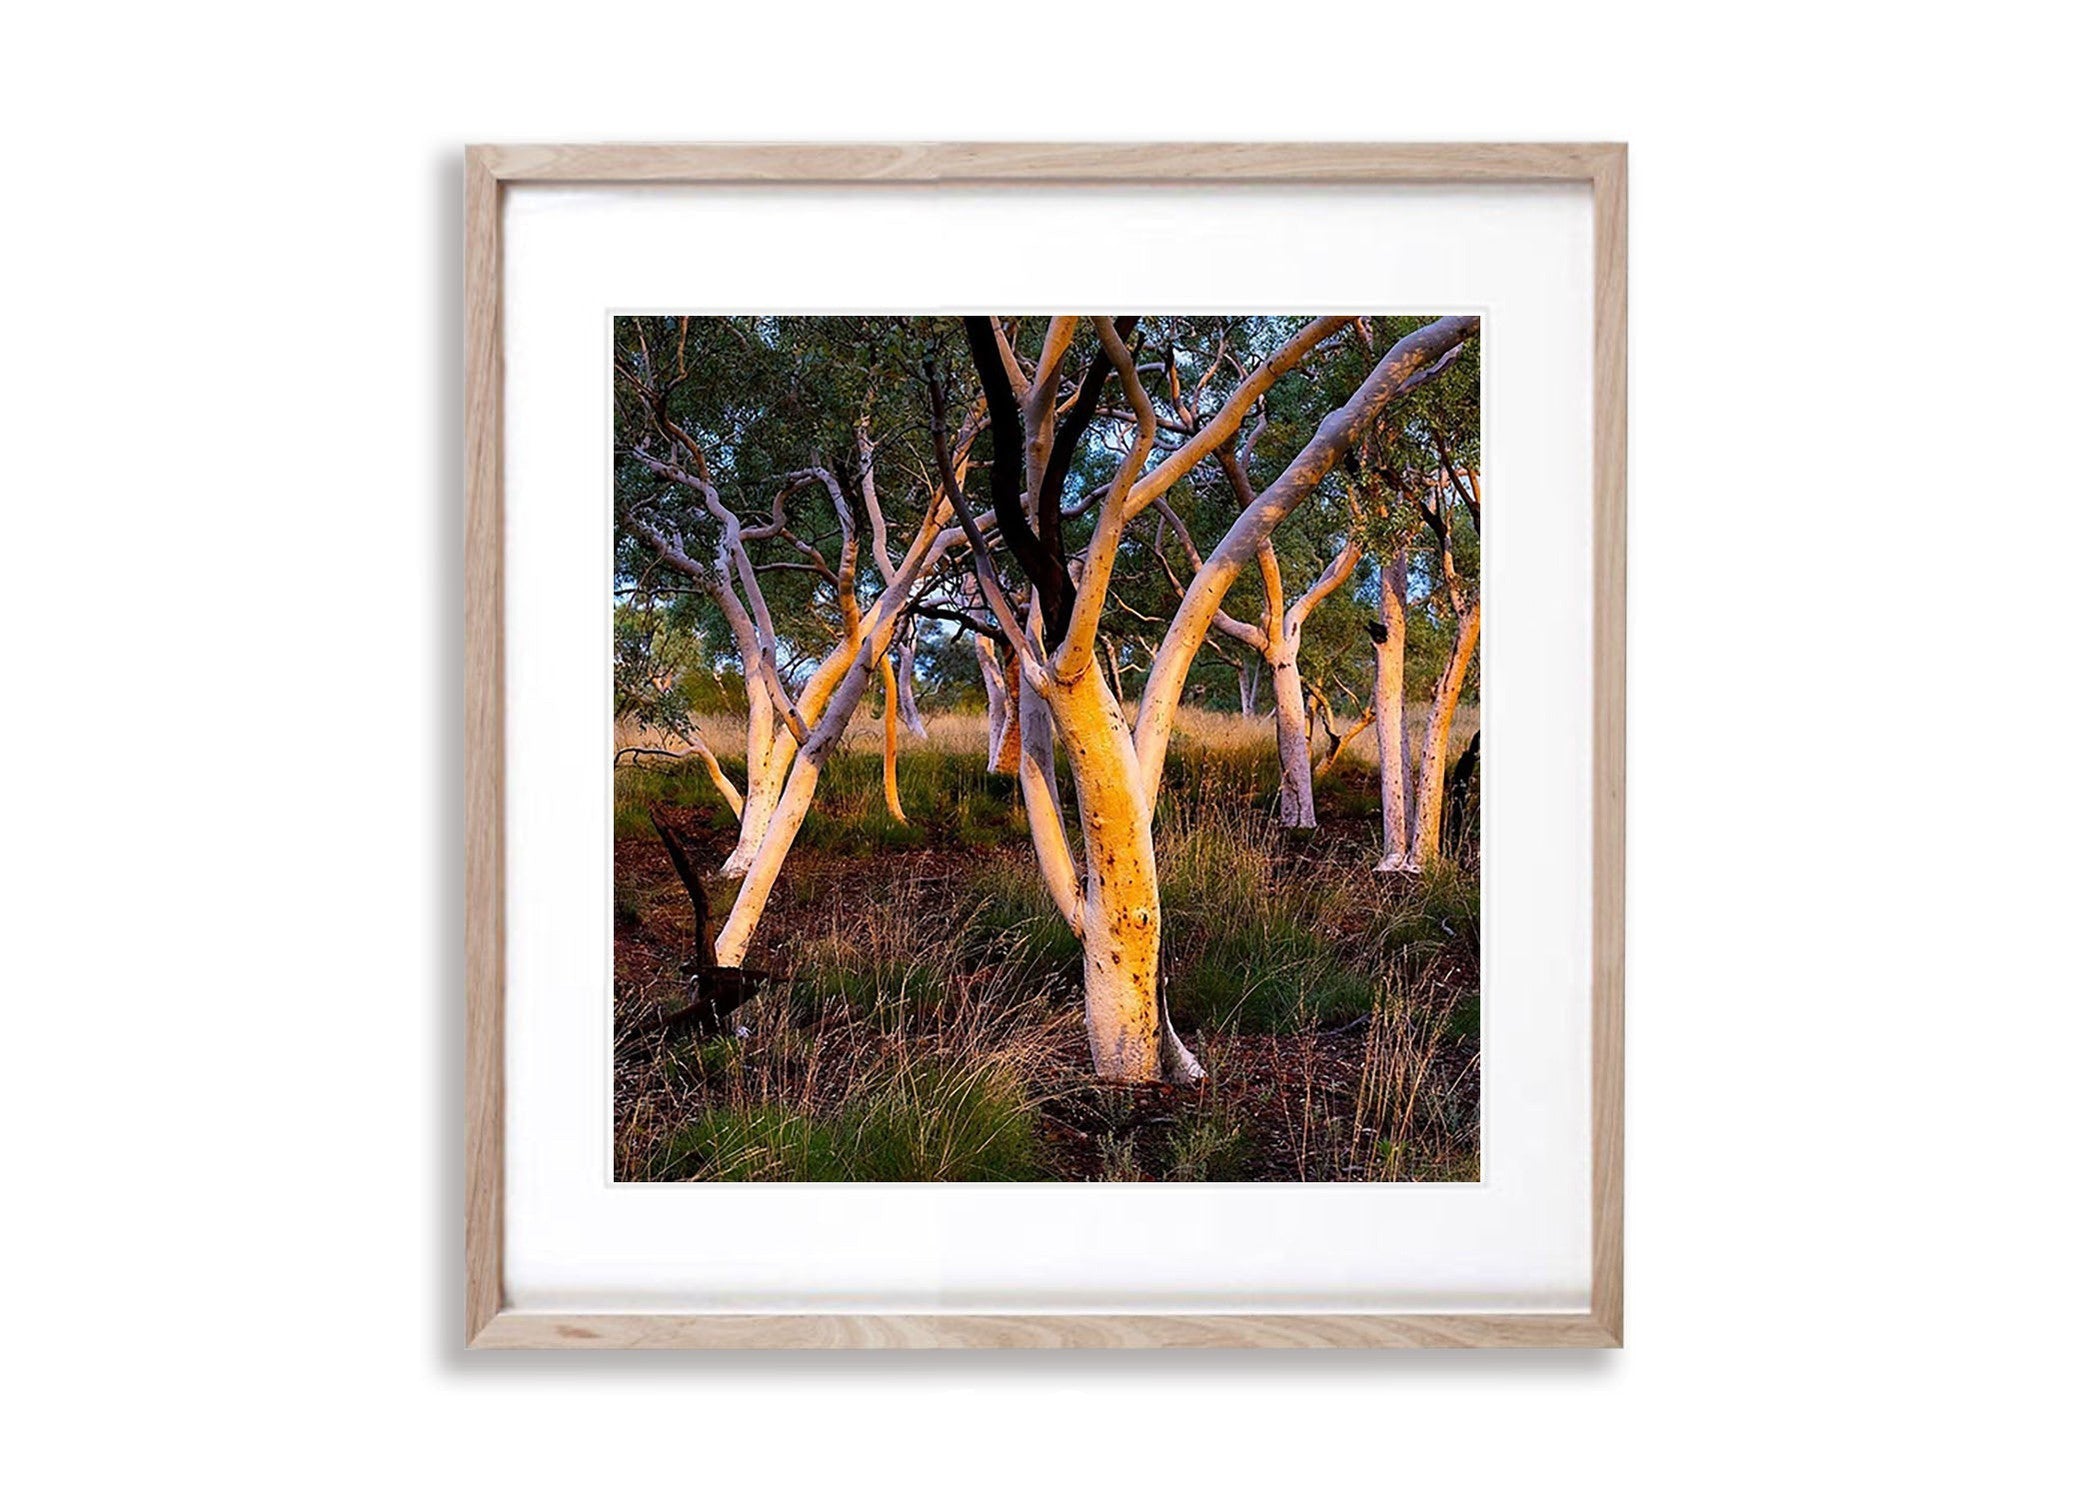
(1861, 1002)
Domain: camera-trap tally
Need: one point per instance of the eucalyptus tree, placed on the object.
(805, 414)
(720, 418)
(1416, 481)
(1108, 893)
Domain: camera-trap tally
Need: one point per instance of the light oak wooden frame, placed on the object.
(489, 171)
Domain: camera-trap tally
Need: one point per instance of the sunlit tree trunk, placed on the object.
(1389, 701)
(1425, 845)
(844, 685)
(1115, 907)
(1280, 638)
(767, 748)
(890, 713)
(1417, 357)
(1118, 901)
(761, 795)
(1038, 747)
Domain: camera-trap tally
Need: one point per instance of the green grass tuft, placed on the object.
(928, 1123)
(1202, 1149)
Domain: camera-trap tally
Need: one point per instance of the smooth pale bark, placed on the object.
(1389, 703)
(1038, 744)
(1118, 910)
(1249, 686)
(1408, 363)
(1037, 768)
(1293, 736)
(797, 792)
(1293, 731)
(907, 678)
(845, 674)
(720, 777)
(767, 744)
(1115, 772)
(1223, 426)
(889, 719)
(1425, 845)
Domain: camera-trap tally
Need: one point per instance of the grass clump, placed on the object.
(890, 987)
(1271, 977)
(1251, 940)
(930, 1122)
(1011, 920)
(1440, 910)
(1202, 1149)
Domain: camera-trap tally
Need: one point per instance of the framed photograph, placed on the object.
(1045, 745)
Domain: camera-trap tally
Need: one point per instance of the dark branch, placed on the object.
(1043, 567)
(1049, 505)
(702, 941)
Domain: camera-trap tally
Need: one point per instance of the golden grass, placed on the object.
(1196, 730)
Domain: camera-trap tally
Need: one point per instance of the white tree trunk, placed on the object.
(1038, 745)
(1293, 734)
(1424, 847)
(1126, 1024)
(1389, 699)
(767, 771)
(1249, 687)
(767, 747)
(835, 688)
(800, 767)
(907, 678)
(1001, 709)
(1415, 358)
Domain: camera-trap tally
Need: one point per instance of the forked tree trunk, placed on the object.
(802, 764)
(1249, 687)
(1425, 845)
(1284, 633)
(1118, 905)
(1389, 699)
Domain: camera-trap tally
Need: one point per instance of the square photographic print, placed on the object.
(1046, 748)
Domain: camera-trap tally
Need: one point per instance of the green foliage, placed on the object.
(766, 397)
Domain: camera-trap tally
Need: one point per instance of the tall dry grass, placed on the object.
(1196, 730)
(926, 1022)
